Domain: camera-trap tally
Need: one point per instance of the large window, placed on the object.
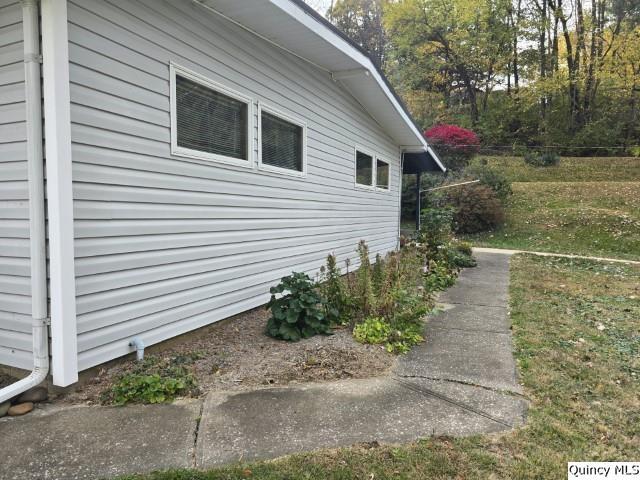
(364, 169)
(208, 121)
(282, 142)
(382, 174)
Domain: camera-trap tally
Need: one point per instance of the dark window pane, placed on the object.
(281, 143)
(364, 169)
(382, 172)
(209, 121)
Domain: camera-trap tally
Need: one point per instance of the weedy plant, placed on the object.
(364, 285)
(297, 309)
(337, 301)
(155, 380)
(398, 302)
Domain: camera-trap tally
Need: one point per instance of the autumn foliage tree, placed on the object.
(456, 145)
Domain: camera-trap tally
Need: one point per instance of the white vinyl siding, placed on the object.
(165, 244)
(15, 290)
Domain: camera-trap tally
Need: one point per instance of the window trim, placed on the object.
(382, 189)
(176, 150)
(288, 118)
(373, 156)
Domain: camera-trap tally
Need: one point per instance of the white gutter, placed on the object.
(37, 244)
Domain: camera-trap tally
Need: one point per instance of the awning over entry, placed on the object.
(425, 161)
(417, 163)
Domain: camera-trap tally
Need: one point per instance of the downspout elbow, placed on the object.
(138, 344)
(40, 364)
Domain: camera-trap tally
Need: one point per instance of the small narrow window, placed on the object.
(209, 121)
(364, 169)
(382, 174)
(281, 142)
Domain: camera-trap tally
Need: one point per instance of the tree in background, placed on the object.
(520, 72)
(457, 48)
(361, 20)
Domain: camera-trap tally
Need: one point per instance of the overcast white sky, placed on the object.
(320, 5)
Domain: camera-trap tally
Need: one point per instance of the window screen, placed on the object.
(281, 142)
(382, 174)
(364, 169)
(209, 121)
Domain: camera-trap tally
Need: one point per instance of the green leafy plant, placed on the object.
(398, 338)
(403, 337)
(459, 255)
(373, 330)
(438, 277)
(297, 309)
(436, 226)
(155, 380)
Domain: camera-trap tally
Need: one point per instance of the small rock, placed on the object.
(600, 327)
(20, 409)
(4, 408)
(34, 395)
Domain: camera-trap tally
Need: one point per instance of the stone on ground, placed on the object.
(35, 395)
(20, 409)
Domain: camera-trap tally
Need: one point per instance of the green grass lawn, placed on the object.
(577, 344)
(570, 169)
(587, 206)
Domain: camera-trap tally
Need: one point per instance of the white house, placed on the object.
(195, 151)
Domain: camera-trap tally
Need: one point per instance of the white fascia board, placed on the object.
(345, 47)
(57, 116)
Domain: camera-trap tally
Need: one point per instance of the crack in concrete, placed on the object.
(477, 304)
(196, 432)
(468, 384)
(428, 391)
(470, 330)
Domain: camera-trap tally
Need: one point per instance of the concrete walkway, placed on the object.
(461, 381)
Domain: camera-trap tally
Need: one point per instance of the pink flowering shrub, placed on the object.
(456, 145)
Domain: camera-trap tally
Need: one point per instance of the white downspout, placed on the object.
(37, 243)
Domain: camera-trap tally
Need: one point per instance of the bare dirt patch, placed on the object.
(236, 354)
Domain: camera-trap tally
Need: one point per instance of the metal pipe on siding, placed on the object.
(35, 164)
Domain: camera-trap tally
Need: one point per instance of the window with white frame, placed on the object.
(282, 142)
(364, 169)
(208, 121)
(382, 174)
